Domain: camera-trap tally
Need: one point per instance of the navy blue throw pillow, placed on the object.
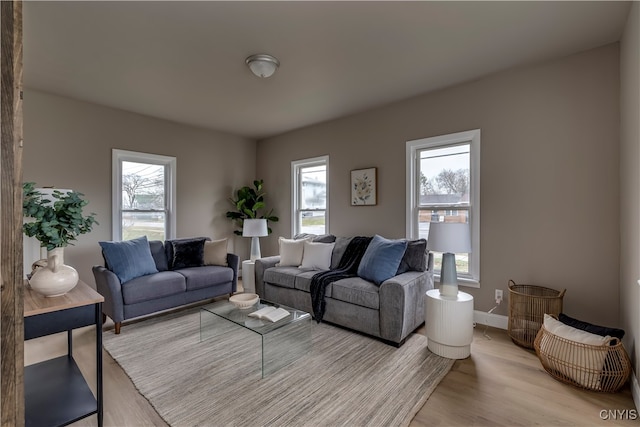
(588, 327)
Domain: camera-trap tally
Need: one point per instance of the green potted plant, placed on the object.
(59, 220)
(249, 203)
(56, 222)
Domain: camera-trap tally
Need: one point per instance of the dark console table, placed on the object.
(55, 392)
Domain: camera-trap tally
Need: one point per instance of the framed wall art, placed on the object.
(363, 187)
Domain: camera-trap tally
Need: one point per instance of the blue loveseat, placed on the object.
(166, 283)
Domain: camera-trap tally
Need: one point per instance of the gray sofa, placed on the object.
(390, 311)
(168, 288)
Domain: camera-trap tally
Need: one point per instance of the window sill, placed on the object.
(462, 281)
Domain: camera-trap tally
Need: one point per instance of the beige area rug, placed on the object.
(346, 379)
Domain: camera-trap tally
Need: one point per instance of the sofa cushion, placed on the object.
(215, 252)
(187, 254)
(129, 259)
(159, 255)
(202, 277)
(303, 282)
(381, 259)
(338, 250)
(316, 256)
(153, 286)
(356, 290)
(285, 277)
(415, 257)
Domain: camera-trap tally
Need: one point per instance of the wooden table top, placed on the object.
(82, 294)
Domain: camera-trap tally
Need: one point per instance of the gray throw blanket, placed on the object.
(348, 267)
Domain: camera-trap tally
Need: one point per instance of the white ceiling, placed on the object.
(184, 61)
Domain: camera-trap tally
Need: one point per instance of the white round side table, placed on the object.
(449, 322)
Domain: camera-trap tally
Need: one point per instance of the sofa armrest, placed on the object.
(261, 265)
(108, 285)
(402, 304)
(233, 261)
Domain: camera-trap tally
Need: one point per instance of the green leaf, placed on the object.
(249, 213)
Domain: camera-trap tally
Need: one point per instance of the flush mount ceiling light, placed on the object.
(262, 65)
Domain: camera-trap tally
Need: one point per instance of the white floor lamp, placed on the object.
(449, 238)
(255, 228)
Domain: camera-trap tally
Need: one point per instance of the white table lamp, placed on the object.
(255, 228)
(449, 238)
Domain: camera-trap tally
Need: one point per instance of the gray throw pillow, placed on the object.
(301, 236)
(415, 257)
(338, 250)
(325, 238)
(322, 238)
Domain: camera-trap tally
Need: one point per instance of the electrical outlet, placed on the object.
(498, 296)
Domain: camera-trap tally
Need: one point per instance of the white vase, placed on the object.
(55, 278)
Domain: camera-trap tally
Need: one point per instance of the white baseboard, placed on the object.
(489, 319)
(635, 389)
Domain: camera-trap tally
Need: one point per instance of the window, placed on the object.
(310, 187)
(443, 184)
(143, 195)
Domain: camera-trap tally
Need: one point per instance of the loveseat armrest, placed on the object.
(402, 304)
(233, 261)
(261, 265)
(108, 285)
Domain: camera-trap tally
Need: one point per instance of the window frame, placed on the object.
(118, 156)
(296, 190)
(413, 148)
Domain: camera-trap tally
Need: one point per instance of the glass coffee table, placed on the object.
(282, 342)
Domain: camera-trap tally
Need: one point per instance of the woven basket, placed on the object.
(527, 307)
(603, 368)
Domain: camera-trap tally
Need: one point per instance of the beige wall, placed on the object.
(68, 144)
(630, 184)
(549, 174)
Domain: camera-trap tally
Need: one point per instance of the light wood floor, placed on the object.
(501, 384)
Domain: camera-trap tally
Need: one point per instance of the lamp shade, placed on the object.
(263, 65)
(452, 237)
(255, 228)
